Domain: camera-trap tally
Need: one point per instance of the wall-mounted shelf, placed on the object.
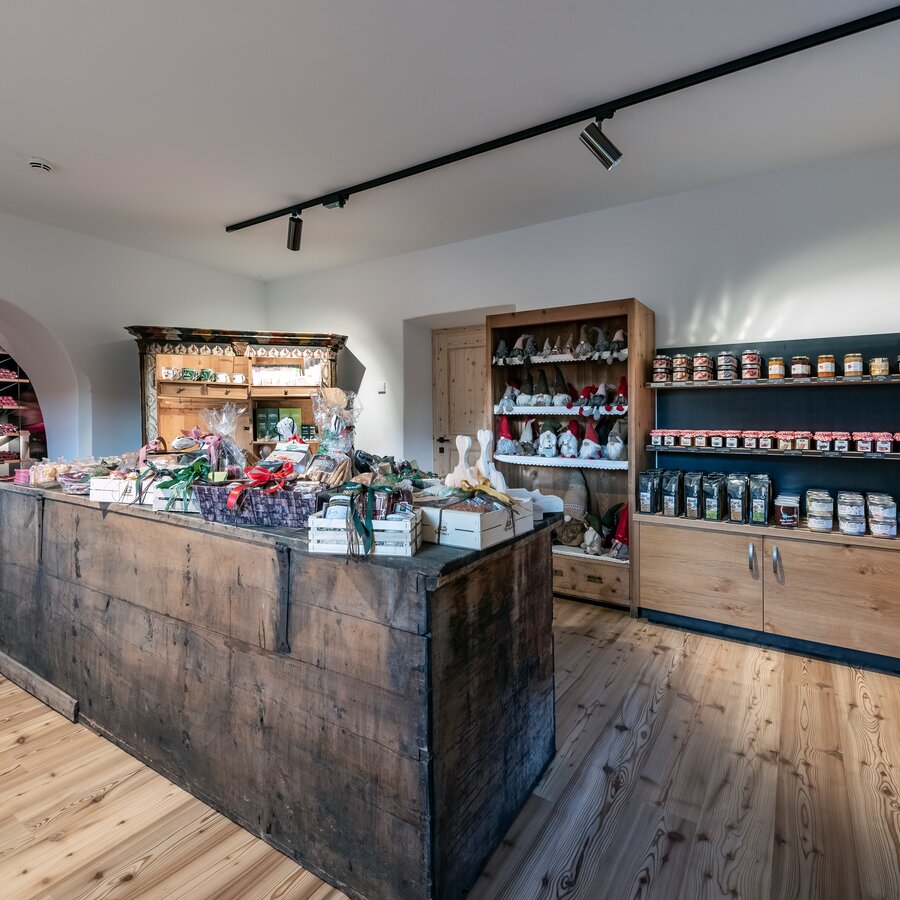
(563, 462)
(772, 383)
(791, 454)
(586, 411)
(14, 381)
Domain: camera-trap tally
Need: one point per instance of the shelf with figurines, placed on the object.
(525, 350)
(535, 397)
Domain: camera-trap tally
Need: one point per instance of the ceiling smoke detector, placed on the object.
(39, 165)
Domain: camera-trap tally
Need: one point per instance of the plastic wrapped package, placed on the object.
(222, 425)
(714, 496)
(737, 489)
(336, 413)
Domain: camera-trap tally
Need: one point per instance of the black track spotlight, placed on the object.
(295, 232)
(600, 145)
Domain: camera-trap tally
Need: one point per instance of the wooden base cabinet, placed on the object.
(828, 588)
(712, 575)
(832, 593)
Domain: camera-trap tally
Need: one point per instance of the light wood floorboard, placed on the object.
(692, 767)
(82, 820)
(687, 767)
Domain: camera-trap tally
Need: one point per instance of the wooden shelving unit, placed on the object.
(170, 405)
(608, 481)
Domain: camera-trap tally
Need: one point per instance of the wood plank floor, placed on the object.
(691, 767)
(80, 818)
(688, 767)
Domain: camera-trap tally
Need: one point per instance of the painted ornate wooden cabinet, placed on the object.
(185, 370)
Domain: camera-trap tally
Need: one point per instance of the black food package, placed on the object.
(714, 496)
(693, 494)
(760, 499)
(649, 485)
(737, 486)
(672, 488)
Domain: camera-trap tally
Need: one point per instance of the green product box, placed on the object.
(272, 423)
(262, 423)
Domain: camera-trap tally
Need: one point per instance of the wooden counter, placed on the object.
(381, 721)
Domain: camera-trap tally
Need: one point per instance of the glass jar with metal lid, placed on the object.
(776, 367)
(801, 367)
(879, 366)
(825, 367)
(853, 365)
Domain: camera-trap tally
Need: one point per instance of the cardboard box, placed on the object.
(475, 531)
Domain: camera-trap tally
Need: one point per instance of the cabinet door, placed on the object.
(834, 594)
(703, 574)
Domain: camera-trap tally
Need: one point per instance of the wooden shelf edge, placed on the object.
(790, 454)
(562, 550)
(582, 411)
(774, 383)
(563, 462)
(771, 531)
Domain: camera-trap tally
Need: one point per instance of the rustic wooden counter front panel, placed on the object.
(386, 746)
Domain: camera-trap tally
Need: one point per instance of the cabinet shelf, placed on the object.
(562, 550)
(790, 454)
(773, 383)
(563, 462)
(575, 411)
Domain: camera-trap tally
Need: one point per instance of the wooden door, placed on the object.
(704, 574)
(833, 593)
(459, 378)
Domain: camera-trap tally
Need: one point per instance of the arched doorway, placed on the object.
(64, 396)
(23, 435)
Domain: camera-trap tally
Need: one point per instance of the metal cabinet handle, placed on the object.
(775, 559)
(751, 556)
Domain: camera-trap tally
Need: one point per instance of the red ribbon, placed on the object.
(263, 478)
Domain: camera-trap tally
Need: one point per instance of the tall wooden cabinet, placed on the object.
(264, 369)
(608, 482)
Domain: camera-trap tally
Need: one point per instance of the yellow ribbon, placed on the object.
(483, 486)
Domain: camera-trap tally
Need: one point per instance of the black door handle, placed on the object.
(443, 440)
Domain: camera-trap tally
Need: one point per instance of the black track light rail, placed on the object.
(601, 111)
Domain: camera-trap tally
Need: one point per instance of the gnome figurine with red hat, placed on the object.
(506, 445)
(620, 541)
(583, 401)
(567, 442)
(591, 448)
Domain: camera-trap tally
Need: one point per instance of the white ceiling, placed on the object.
(168, 120)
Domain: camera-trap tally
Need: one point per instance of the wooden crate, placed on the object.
(391, 538)
(475, 531)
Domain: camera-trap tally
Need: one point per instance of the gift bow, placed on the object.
(212, 442)
(483, 486)
(154, 446)
(261, 477)
(182, 479)
(364, 527)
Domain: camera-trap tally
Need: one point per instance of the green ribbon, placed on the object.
(182, 482)
(364, 527)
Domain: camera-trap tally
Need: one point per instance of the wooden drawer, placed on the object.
(832, 593)
(279, 393)
(201, 390)
(702, 574)
(591, 579)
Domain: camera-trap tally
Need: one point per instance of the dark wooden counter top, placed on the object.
(380, 721)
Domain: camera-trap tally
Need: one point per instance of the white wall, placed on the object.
(75, 294)
(801, 253)
(807, 252)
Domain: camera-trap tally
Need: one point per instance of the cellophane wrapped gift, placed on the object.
(223, 424)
